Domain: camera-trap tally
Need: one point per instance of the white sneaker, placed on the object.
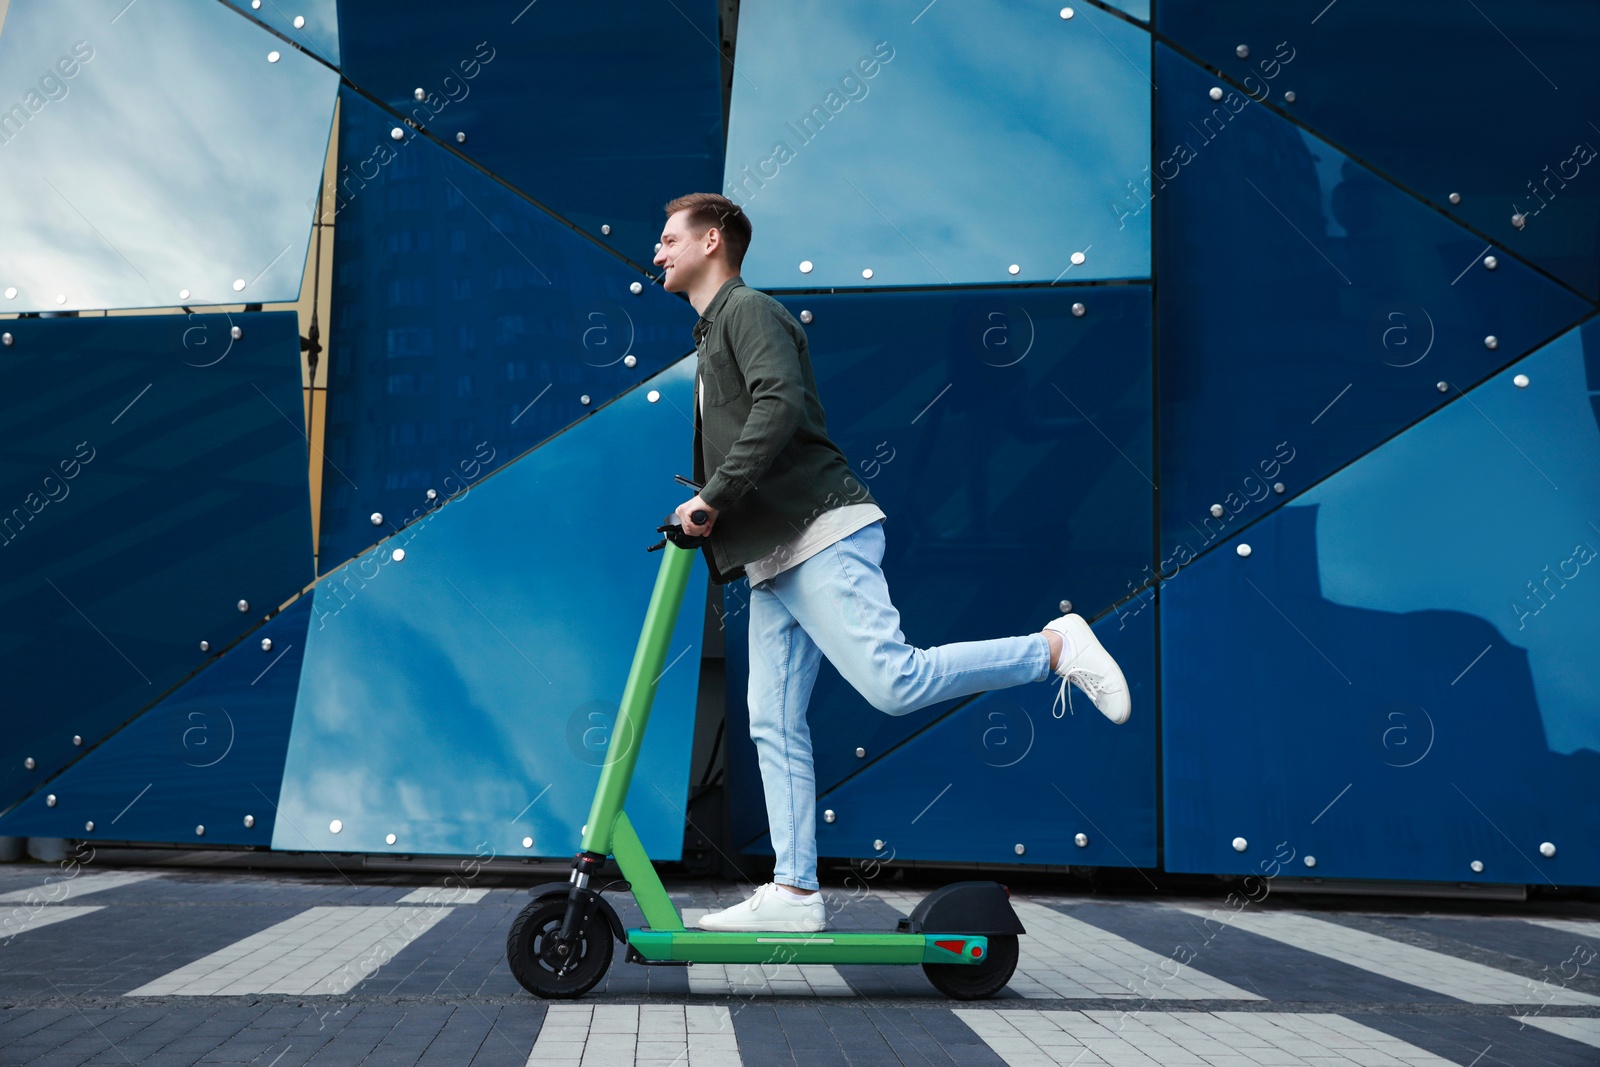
(1091, 669)
(770, 909)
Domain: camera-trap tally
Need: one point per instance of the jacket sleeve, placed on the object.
(770, 362)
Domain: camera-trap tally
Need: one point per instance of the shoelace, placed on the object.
(1090, 683)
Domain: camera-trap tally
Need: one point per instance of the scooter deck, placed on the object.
(828, 946)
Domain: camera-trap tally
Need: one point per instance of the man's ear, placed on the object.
(713, 239)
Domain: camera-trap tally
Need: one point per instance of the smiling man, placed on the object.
(784, 510)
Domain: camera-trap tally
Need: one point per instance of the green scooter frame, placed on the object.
(560, 945)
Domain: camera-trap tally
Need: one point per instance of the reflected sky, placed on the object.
(445, 696)
(1475, 503)
(320, 31)
(984, 137)
(176, 158)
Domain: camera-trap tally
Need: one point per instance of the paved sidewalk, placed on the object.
(177, 966)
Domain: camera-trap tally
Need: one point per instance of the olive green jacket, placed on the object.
(763, 436)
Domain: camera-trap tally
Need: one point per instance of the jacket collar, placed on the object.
(710, 313)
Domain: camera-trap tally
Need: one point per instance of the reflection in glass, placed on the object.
(1308, 310)
(1442, 100)
(1008, 441)
(461, 698)
(468, 326)
(312, 24)
(573, 104)
(154, 157)
(153, 475)
(948, 151)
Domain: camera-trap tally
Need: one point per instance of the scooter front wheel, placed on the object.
(548, 968)
(974, 981)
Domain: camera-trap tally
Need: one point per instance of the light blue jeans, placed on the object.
(836, 604)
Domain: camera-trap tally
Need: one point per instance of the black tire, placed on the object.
(537, 962)
(974, 981)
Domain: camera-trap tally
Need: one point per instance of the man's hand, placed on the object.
(688, 509)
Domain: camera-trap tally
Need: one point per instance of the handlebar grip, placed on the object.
(699, 517)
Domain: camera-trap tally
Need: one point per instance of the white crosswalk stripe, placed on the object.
(325, 950)
(1061, 956)
(1034, 1038)
(1442, 973)
(763, 979)
(444, 895)
(601, 1035)
(22, 919)
(61, 888)
(1585, 928)
(1586, 1031)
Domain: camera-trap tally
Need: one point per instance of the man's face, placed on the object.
(683, 253)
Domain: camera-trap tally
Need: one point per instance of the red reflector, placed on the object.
(977, 952)
(958, 947)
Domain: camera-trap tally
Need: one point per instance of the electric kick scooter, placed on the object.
(560, 945)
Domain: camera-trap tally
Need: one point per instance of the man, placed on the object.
(783, 509)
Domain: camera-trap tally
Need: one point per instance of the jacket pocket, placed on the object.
(721, 377)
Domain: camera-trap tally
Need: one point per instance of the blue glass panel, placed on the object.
(209, 755)
(1414, 89)
(461, 698)
(153, 474)
(155, 157)
(1008, 442)
(1396, 679)
(859, 141)
(311, 24)
(1002, 771)
(1307, 309)
(1139, 9)
(573, 104)
(464, 318)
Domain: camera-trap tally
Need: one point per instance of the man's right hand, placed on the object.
(689, 525)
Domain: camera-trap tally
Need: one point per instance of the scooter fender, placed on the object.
(561, 889)
(965, 908)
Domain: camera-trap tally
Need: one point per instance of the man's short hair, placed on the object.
(713, 209)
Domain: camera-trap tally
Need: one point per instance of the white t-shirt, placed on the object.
(830, 527)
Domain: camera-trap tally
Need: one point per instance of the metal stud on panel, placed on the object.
(1081, 840)
(200, 831)
(11, 293)
(249, 822)
(877, 845)
(1019, 848)
(584, 399)
(205, 646)
(1288, 97)
(1243, 550)
(867, 273)
(1243, 51)
(630, 361)
(77, 739)
(236, 333)
(861, 753)
(1216, 92)
(1455, 198)
(1547, 850)
(461, 138)
(1277, 487)
(1216, 511)
(1490, 263)
(1015, 268)
(828, 815)
(1067, 12)
(805, 266)
(266, 644)
(653, 395)
(335, 826)
(1078, 258)
(1078, 310)
(389, 839)
(399, 555)
(806, 317)
(1477, 866)
(377, 518)
(527, 842)
(419, 94)
(605, 228)
(50, 801)
(1443, 387)
(1519, 220)
(1065, 606)
(1311, 861)
(636, 288)
(299, 22)
(1491, 342)
(1240, 844)
(244, 605)
(29, 764)
(273, 57)
(89, 826)
(7, 339)
(398, 134)
(1520, 381)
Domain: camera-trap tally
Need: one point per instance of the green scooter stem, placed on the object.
(610, 832)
